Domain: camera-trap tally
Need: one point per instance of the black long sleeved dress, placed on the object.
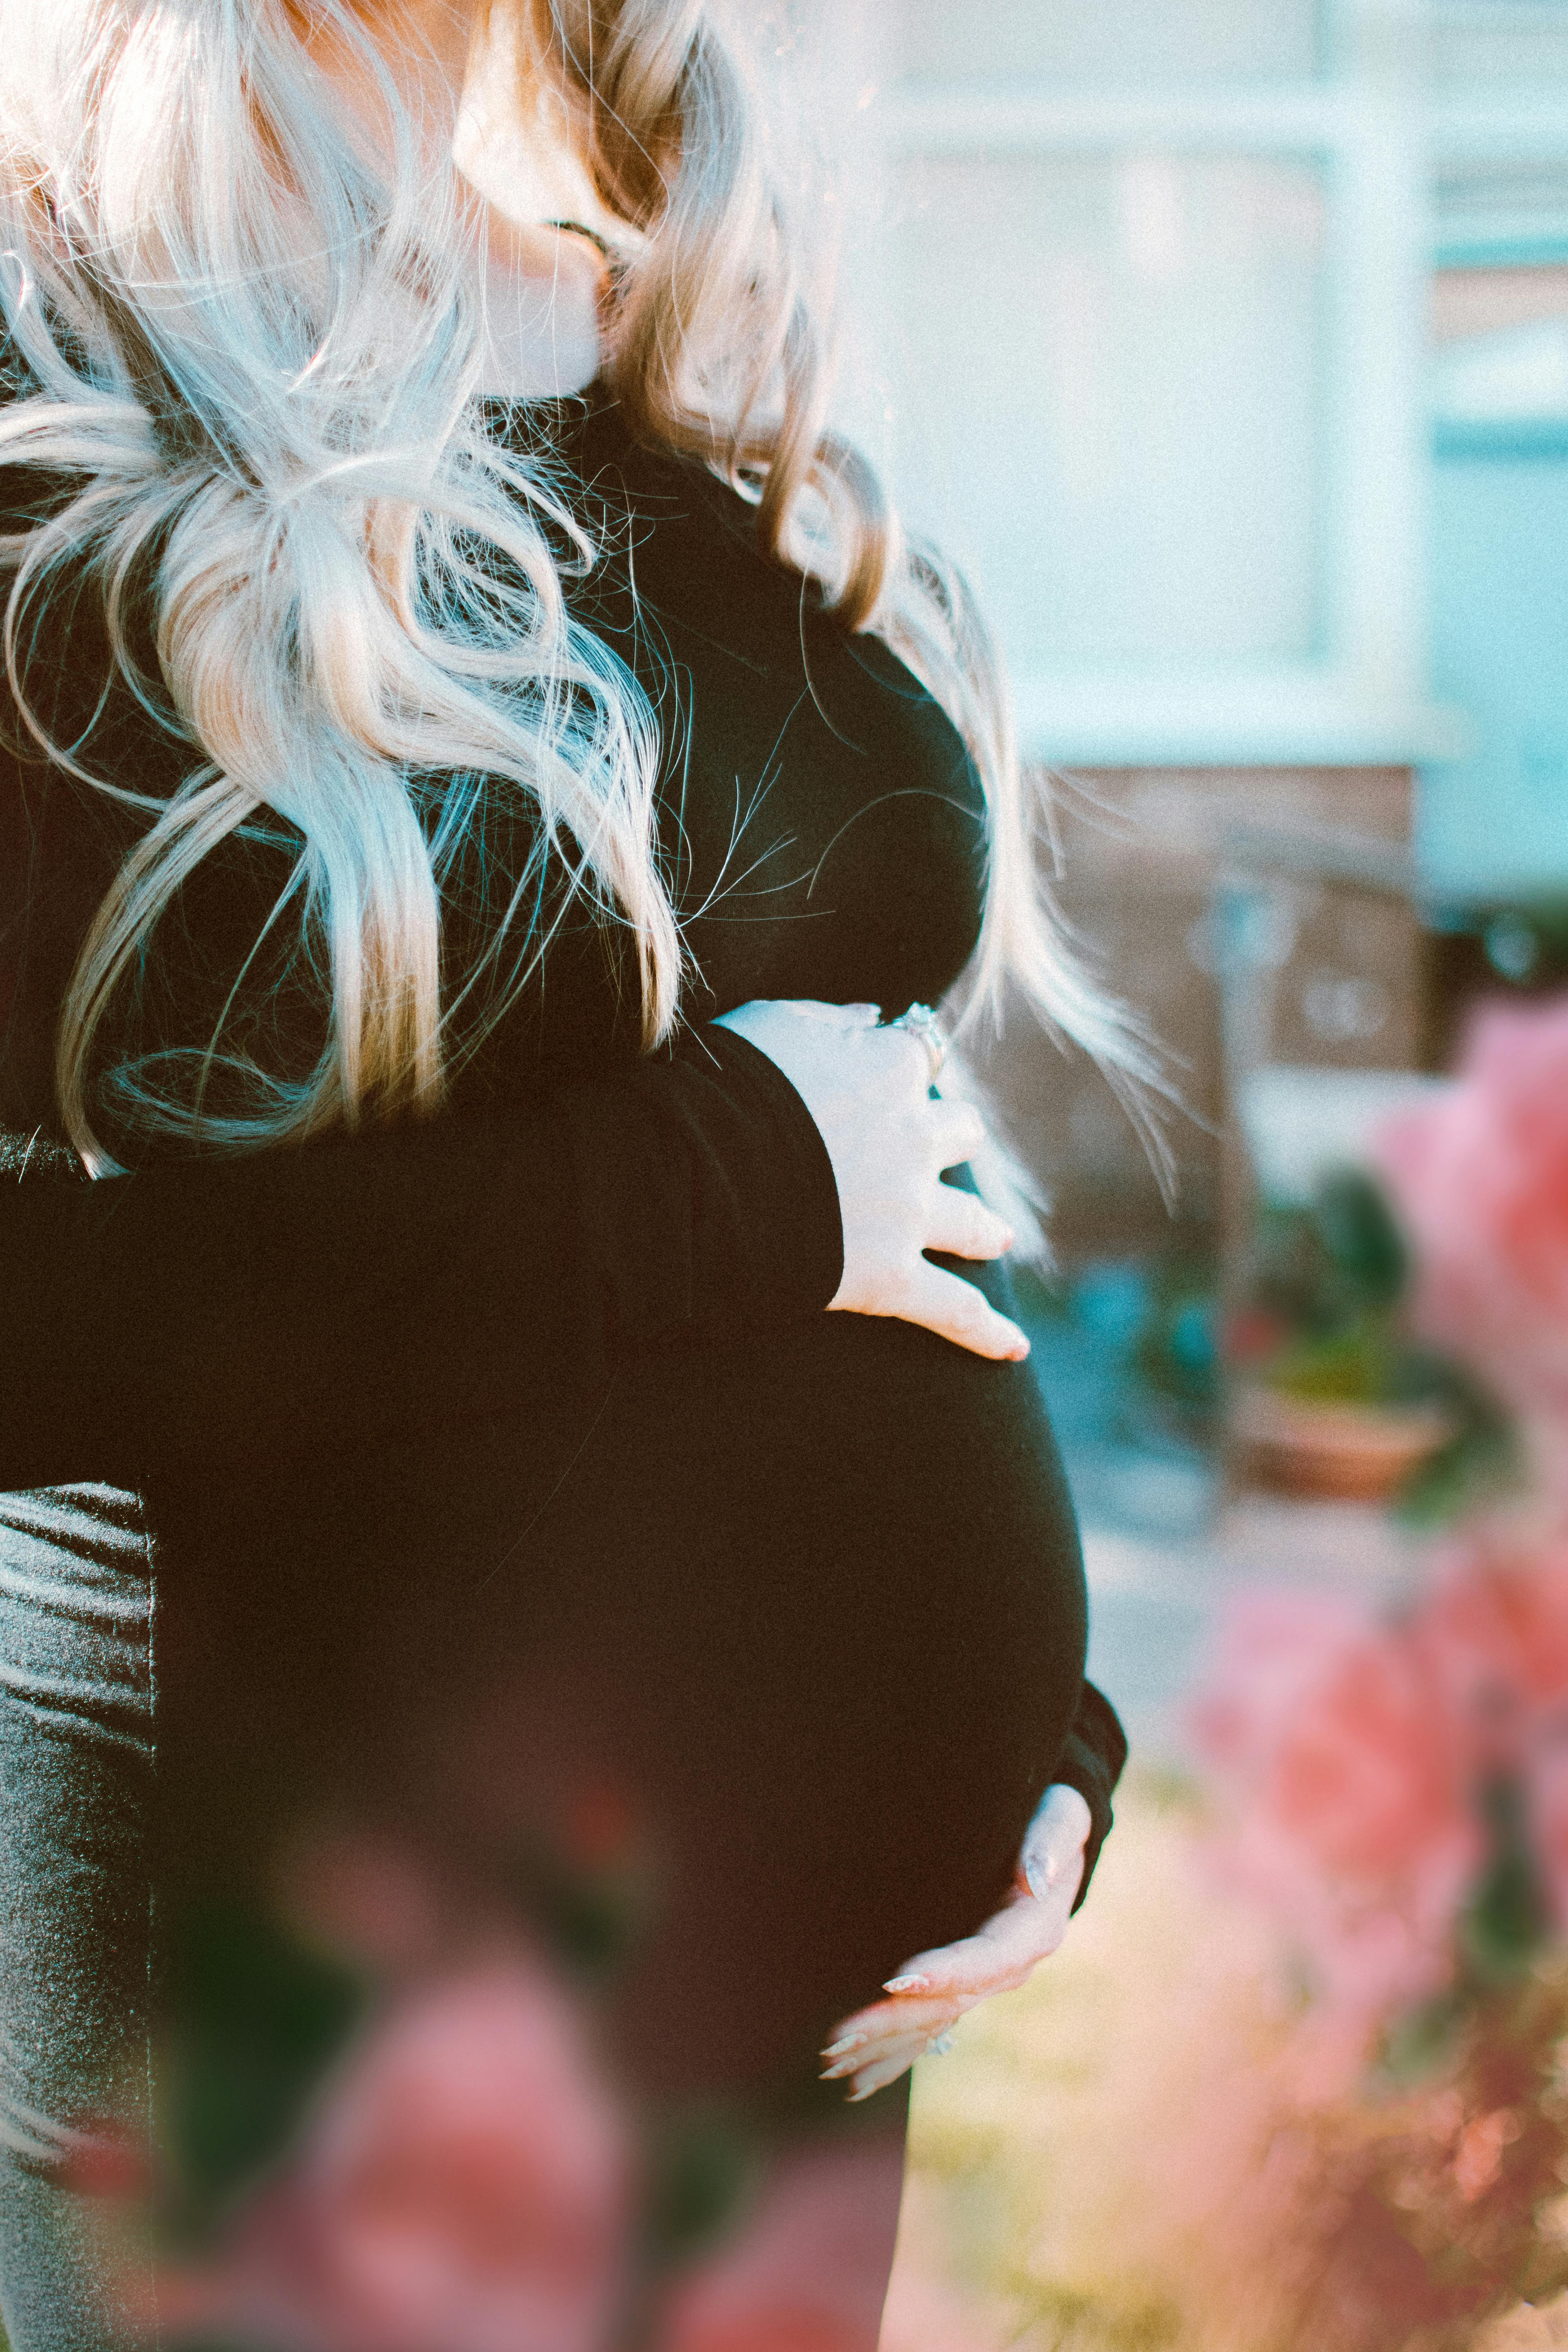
(530, 1416)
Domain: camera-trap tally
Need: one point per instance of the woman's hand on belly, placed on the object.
(932, 1992)
(867, 1087)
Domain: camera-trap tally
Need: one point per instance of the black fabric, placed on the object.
(1092, 1762)
(309, 1303)
(543, 1387)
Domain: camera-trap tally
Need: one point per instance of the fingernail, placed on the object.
(907, 1984)
(856, 2097)
(938, 2046)
(1017, 1354)
(836, 2073)
(850, 2042)
(1008, 1238)
(1042, 1876)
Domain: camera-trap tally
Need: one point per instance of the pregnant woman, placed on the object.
(454, 676)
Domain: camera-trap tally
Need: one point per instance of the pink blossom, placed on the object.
(809, 2272)
(1351, 1756)
(466, 2187)
(1546, 1788)
(1480, 1178)
(1273, 1648)
(1496, 1623)
(1496, 1627)
(1363, 1776)
(1348, 1797)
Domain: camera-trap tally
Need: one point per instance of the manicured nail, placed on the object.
(850, 2042)
(856, 2097)
(1042, 1872)
(1017, 1354)
(938, 2046)
(839, 2068)
(907, 1984)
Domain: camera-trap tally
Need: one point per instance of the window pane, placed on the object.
(1488, 303)
(1503, 210)
(1491, 823)
(1103, 383)
(1511, 40)
(1107, 40)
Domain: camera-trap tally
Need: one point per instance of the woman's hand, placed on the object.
(932, 1992)
(867, 1087)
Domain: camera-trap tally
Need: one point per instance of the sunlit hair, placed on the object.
(249, 337)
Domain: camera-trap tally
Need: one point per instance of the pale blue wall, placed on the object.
(1497, 824)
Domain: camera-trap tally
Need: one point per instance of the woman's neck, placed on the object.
(541, 288)
(542, 295)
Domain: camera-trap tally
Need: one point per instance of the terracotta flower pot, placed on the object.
(1357, 1453)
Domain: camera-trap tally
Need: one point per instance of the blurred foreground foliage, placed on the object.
(1139, 2152)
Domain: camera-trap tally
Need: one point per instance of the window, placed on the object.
(1132, 465)
(1107, 41)
(1499, 388)
(1142, 286)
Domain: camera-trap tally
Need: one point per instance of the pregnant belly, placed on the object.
(832, 1584)
(815, 1603)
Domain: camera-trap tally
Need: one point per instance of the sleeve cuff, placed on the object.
(1092, 1762)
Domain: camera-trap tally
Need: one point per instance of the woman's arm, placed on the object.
(300, 1300)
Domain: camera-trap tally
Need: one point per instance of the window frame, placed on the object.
(1379, 131)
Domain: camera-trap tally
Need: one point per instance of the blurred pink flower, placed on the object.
(1347, 1795)
(1546, 1790)
(1496, 1627)
(466, 2187)
(1349, 1756)
(809, 2272)
(1273, 1648)
(1495, 1624)
(1480, 1176)
(1363, 1776)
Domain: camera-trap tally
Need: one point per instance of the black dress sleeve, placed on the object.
(246, 1312)
(1092, 1762)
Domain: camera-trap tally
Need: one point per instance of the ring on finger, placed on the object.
(922, 1023)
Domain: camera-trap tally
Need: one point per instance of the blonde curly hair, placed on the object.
(249, 343)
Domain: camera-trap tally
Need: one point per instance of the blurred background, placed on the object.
(1226, 343)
